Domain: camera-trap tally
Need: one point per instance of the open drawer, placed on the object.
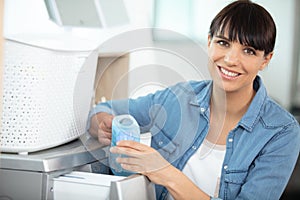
(83, 185)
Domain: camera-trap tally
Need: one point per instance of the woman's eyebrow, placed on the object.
(222, 37)
(225, 38)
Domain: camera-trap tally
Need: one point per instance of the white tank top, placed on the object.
(204, 167)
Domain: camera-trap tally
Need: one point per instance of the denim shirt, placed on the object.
(261, 151)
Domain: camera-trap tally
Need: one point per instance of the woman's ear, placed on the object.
(208, 40)
(267, 60)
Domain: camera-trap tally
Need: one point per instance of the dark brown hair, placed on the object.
(248, 23)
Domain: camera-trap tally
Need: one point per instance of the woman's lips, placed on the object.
(228, 74)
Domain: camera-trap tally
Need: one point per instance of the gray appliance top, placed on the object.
(76, 153)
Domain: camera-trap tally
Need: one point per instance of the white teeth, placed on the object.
(227, 73)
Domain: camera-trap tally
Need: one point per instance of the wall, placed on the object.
(31, 18)
(279, 76)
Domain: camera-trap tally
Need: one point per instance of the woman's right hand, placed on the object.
(100, 127)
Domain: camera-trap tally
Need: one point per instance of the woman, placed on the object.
(219, 139)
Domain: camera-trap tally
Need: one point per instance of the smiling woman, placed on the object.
(237, 65)
(229, 123)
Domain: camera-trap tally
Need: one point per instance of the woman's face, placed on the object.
(232, 65)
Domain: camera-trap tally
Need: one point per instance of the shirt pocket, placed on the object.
(161, 141)
(234, 179)
(235, 176)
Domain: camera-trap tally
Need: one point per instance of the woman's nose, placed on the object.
(232, 56)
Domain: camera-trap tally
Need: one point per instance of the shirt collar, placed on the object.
(251, 117)
(202, 99)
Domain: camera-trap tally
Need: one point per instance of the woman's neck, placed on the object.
(233, 104)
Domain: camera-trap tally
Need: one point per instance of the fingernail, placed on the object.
(112, 149)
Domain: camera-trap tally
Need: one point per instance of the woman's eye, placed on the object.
(249, 51)
(223, 43)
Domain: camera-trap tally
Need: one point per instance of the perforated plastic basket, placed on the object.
(46, 96)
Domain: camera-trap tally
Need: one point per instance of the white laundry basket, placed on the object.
(47, 95)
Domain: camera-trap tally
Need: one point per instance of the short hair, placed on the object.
(248, 23)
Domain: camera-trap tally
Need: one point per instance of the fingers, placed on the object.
(132, 149)
(124, 151)
(133, 168)
(132, 164)
(104, 141)
(137, 159)
(133, 145)
(104, 137)
(104, 131)
(105, 121)
(144, 165)
(100, 128)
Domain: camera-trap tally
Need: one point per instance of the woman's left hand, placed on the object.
(141, 159)
(147, 161)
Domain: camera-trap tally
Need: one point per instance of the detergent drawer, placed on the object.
(84, 185)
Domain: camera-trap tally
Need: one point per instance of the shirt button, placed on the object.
(202, 110)
(194, 147)
(225, 166)
(160, 143)
(230, 140)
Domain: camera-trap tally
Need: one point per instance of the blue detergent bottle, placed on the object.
(124, 127)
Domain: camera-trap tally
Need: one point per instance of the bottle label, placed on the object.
(124, 127)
